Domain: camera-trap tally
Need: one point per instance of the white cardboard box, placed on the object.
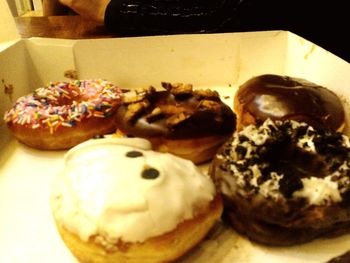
(220, 61)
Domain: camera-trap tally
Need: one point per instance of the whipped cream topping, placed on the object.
(118, 189)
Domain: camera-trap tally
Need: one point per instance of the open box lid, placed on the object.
(293, 53)
(8, 29)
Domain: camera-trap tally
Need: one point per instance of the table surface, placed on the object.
(71, 27)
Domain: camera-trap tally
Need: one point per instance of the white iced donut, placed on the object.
(118, 201)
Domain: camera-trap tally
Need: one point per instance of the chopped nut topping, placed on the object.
(177, 118)
(139, 102)
(149, 90)
(209, 105)
(133, 99)
(206, 94)
(171, 109)
(156, 114)
(135, 109)
(139, 95)
(178, 89)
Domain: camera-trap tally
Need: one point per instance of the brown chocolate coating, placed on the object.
(174, 114)
(260, 172)
(344, 258)
(279, 235)
(282, 97)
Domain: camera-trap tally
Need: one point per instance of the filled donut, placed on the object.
(285, 183)
(116, 200)
(189, 123)
(283, 97)
(63, 114)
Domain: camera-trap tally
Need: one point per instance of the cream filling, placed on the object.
(102, 192)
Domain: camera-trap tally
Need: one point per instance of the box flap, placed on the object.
(8, 29)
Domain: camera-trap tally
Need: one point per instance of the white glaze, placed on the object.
(101, 192)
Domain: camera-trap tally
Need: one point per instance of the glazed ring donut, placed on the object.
(285, 183)
(64, 114)
(282, 98)
(116, 200)
(189, 123)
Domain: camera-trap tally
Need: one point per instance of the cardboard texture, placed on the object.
(8, 28)
(217, 61)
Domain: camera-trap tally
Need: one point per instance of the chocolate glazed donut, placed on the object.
(282, 98)
(189, 123)
(285, 183)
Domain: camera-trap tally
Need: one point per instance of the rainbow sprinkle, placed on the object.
(65, 104)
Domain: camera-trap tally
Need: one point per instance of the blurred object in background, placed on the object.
(26, 7)
(54, 8)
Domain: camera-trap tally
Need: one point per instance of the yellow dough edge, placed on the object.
(165, 248)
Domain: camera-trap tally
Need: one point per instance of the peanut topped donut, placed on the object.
(186, 122)
(282, 98)
(64, 114)
(117, 201)
(285, 183)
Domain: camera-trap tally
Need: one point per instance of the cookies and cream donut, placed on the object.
(343, 258)
(190, 123)
(63, 114)
(283, 97)
(117, 201)
(285, 183)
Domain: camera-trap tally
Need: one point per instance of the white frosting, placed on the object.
(258, 138)
(101, 191)
(319, 191)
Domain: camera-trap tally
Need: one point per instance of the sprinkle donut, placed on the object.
(63, 114)
(285, 183)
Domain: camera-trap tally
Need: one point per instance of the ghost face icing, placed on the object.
(121, 190)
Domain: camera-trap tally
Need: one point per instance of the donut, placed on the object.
(178, 119)
(343, 258)
(283, 97)
(64, 114)
(285, 182)
(116, 200)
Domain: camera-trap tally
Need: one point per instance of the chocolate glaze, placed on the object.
(276, 216)
(344, 258)
(274, 234)
(283, 97)
(200, 122)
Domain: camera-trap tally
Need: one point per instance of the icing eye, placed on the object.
(133, 154)
(150, 173)
(98, 136)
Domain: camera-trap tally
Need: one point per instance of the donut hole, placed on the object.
(284, 157)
